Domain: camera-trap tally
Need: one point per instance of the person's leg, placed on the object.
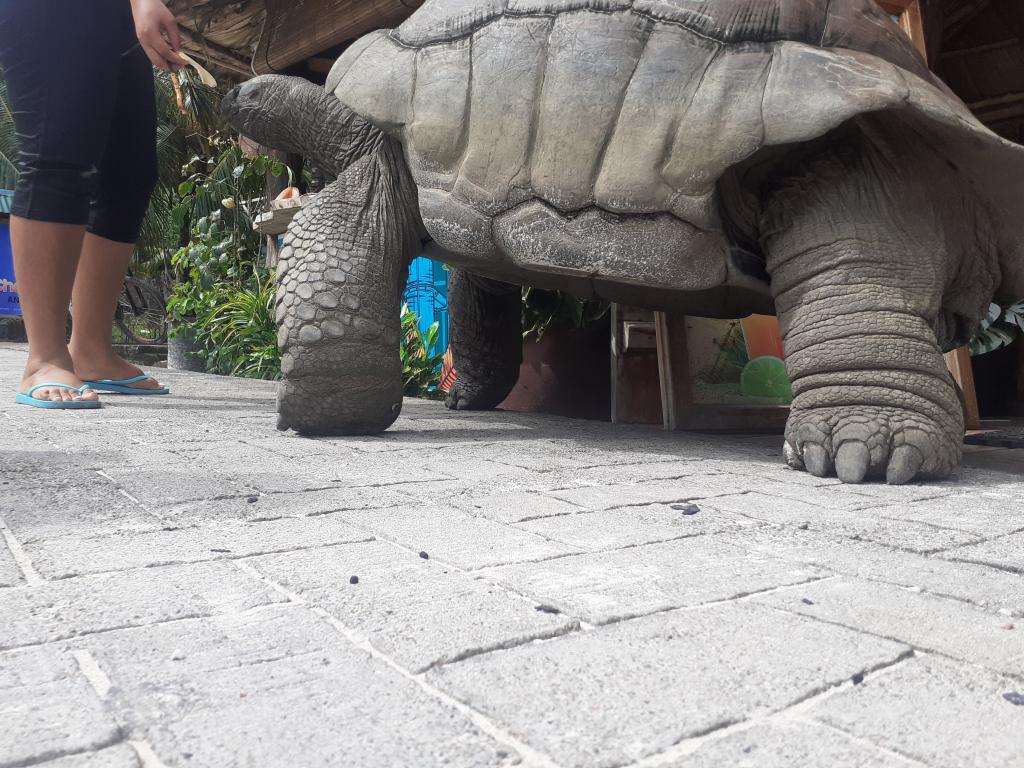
(45, 255)
(55, 63)
(127, 174)
(98, 283)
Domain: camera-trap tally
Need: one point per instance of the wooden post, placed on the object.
(673, 367)
(634, 368)
(959, 364)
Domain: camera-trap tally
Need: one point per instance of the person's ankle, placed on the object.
(91, 350)
(56, 359)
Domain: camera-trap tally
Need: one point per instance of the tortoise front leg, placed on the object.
(340, 277)
(486, 340)
(860, 259)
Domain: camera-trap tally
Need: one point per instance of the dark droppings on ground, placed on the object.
(686, 509)
(220, 550)
(806, 601)
(253, 499)
(353, 579)
(858, 678)
(424, 555)
(1015, 698)
(546, 608)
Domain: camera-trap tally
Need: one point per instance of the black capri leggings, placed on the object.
(81, 90)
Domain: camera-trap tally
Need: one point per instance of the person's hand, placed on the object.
(158, 32)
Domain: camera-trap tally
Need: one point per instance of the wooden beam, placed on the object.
(295, 31)
(959, 19)
(320, 64)
(894, 6)
(211, 53)
(996, 101)
(913, 25)
(976, 49)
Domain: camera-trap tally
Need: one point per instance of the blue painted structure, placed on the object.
(9, 303)
(426, 293)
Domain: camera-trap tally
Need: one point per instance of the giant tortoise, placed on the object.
(715, 157)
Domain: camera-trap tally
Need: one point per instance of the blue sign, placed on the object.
(9, 302)
(426, 293)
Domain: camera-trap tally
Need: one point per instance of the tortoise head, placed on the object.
(295, 115)
(268, 107)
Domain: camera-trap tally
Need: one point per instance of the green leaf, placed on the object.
(185, 188)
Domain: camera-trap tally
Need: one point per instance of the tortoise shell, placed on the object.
(522, 115)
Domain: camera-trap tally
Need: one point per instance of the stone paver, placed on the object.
(264, 688)
(10, 574)
(628, 691)
(57, 610)
(73, 555)
(617, 584)
(790, 744)
(935, 624)
(48, 708)
(417, 611)
(181, 584)
(1005, 552)
(940, 713)
(633, 526)
(118, 756)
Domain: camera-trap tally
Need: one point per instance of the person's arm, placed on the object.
(158, 32)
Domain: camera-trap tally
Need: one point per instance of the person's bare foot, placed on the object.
(94, 365)
(39, 372)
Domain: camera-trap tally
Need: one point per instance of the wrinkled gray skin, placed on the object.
(743, 156)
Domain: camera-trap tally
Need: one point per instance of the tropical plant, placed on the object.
(188, 132)
(225, 297)
(8, 142)
(543, 309)
(1000, 328)
(421, 361)
(239, 332)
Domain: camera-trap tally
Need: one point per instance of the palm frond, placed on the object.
(8, 141)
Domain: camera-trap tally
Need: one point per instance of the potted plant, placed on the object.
(566, 361)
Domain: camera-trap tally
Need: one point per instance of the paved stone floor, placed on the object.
(178, 587)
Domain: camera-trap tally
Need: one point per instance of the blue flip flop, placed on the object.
(27, 399)
(124, 386)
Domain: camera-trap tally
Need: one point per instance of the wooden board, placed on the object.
(296, 30)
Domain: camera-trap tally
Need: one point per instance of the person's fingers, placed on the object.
(162, 47)
(171, 32)
(157, 60)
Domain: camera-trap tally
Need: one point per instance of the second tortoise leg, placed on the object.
(486, 340)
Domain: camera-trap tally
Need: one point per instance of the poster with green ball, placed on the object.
(737, 362)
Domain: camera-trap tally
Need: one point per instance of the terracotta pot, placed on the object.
(566, 373)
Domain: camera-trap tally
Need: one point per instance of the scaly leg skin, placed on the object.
(340, 277)
(860, 257)
(486, 340)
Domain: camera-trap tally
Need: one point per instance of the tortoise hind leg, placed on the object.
(486, 340)
(859, 296)
(340, 279)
